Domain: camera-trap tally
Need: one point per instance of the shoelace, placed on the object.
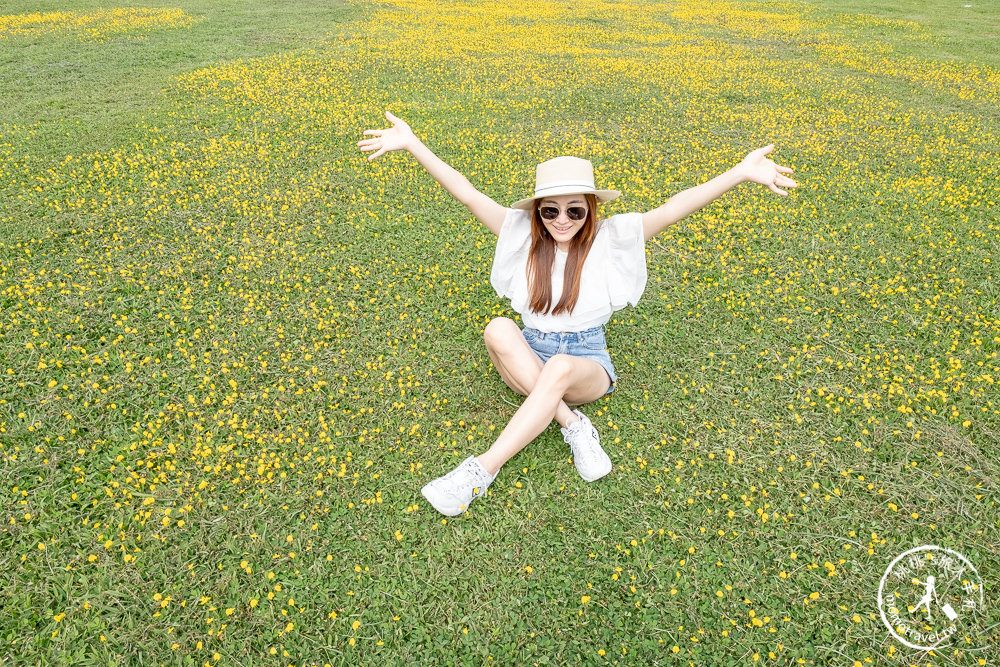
(577, 439)
(479, 481)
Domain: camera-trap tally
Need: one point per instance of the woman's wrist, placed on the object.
(740, 173)
(413, 145)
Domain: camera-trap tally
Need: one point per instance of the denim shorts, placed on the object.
(589, 344)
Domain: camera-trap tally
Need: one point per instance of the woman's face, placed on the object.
(563, 217)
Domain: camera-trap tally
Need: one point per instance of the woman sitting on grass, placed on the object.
(565, 272)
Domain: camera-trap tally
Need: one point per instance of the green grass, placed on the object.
(214, 311)
(961, 33)
(87, 96)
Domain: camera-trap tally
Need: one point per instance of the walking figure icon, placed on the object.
(931, 594)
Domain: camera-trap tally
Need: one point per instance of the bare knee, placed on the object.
(558, 371)
(500, 333)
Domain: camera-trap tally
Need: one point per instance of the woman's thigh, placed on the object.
(587, 379)
(513, 358)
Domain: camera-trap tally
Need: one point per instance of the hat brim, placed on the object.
(602, 196)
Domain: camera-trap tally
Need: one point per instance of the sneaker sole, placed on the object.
(440, 507)
(597, 477)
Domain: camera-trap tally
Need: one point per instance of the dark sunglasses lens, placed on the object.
(573, 212)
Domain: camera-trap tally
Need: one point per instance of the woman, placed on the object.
(565, 273)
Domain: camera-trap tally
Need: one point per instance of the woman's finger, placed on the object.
(374, 133)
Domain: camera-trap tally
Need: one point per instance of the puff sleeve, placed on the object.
(626, 255)
(511, 258)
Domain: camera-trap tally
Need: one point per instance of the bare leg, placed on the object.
(563, 376)
(549, 388)
(517, 364)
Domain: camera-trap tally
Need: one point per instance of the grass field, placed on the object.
(232, 350)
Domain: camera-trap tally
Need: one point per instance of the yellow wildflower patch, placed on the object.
(96, 25)
(235, 350)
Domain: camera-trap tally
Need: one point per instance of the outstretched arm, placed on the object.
(401, 137)
(755, 167)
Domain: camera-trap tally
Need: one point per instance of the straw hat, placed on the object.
(565, 176)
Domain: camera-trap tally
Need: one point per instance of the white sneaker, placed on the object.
(590, 460)
(452, 493)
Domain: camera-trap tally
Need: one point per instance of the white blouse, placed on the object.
(614, 273)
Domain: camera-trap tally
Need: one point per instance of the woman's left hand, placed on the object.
(757, 167)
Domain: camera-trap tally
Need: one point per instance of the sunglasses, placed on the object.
(573, 212)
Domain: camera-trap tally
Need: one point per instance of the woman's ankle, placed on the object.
(567, 419)
(486, 464)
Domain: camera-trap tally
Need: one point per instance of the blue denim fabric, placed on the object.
(589, 344)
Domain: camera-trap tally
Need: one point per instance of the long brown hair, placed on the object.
(542, 256)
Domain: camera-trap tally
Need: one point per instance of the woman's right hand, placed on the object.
(397, 137)
(401, 137)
